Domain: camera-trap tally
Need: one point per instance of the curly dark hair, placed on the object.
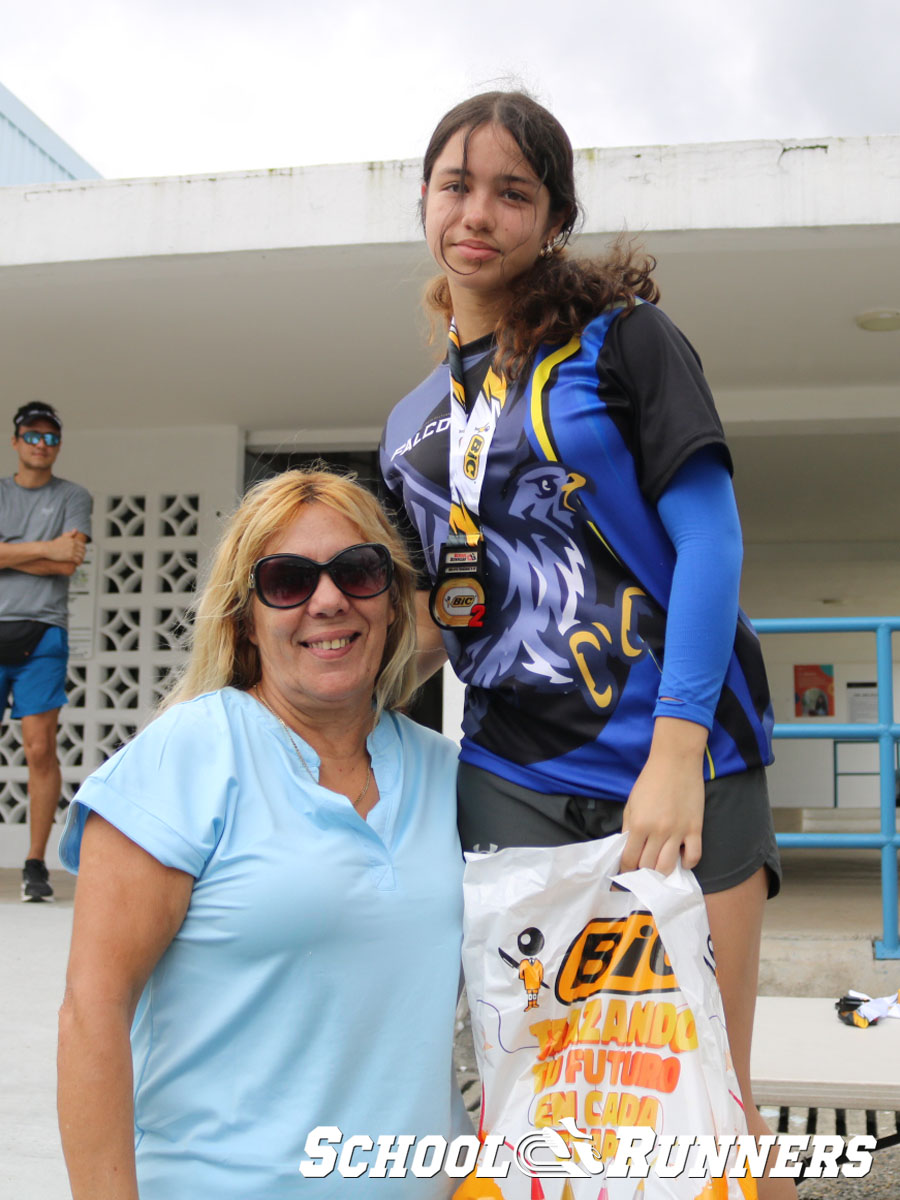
(558, 296)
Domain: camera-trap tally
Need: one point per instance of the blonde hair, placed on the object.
(221, 653)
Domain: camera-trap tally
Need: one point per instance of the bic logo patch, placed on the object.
(473, 454)
(619, 954)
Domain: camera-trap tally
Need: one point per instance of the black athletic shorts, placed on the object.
(738, 834)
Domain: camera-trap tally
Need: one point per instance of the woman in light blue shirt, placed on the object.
(269, 897)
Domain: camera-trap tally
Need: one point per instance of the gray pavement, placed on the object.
(817, 941)
(819, 932)
(35, 939)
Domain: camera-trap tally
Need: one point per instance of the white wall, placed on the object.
(731, 186)
(207, 459)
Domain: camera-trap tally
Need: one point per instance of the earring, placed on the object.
(547, 250)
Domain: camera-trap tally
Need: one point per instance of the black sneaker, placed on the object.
(36, 881)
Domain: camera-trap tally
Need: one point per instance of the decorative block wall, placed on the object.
(145, 555)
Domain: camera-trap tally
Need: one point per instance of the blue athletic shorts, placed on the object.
(37, 685)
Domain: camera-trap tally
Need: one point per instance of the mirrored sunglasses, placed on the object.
(33, 438)
(288, 580)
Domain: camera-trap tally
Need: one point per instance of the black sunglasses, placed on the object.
(33, 438)
(288, 580)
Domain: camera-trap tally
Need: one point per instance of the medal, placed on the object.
(458, 598)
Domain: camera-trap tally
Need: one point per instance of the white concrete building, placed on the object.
(180, 323)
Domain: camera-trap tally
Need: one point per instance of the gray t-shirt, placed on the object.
(39, 515)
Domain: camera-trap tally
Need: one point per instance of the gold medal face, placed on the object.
(458, 602)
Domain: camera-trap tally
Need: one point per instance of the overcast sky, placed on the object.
(164, 87)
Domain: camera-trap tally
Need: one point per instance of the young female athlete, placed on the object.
(565, 477)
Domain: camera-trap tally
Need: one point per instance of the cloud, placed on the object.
(159, 87)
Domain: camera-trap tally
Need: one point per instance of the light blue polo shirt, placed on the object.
(314, 979)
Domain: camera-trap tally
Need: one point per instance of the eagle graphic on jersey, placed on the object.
(559, 601)
(541, 605)
(556, 628)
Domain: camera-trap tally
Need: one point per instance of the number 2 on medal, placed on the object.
(476, 620)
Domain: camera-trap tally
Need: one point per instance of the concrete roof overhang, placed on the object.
(287, 302)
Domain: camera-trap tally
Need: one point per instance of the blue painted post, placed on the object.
(885, 733)
(888, 947)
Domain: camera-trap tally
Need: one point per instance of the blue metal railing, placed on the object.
(885, 733)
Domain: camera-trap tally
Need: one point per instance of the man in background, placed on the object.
(45, 524)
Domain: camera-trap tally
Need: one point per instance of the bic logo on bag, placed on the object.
(623, 954)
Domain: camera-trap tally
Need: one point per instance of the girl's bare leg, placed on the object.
(735, 922)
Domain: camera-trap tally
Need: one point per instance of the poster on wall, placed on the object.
(862, 702)
(814, 690)
(81, 608)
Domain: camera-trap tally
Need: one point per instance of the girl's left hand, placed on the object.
(664, 814)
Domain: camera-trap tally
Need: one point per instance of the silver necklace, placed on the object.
(362, 795)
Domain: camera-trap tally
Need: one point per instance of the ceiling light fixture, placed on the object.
(879, 320)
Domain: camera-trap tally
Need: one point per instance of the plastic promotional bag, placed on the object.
(598, 1026)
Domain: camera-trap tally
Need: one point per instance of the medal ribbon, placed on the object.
(471, 435)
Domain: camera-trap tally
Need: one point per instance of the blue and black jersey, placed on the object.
(563, 678)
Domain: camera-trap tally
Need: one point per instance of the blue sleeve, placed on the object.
(167, 790)
(700, 515)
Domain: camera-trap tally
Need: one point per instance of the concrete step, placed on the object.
(800, 964)
(819, 933)
(829, 820)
